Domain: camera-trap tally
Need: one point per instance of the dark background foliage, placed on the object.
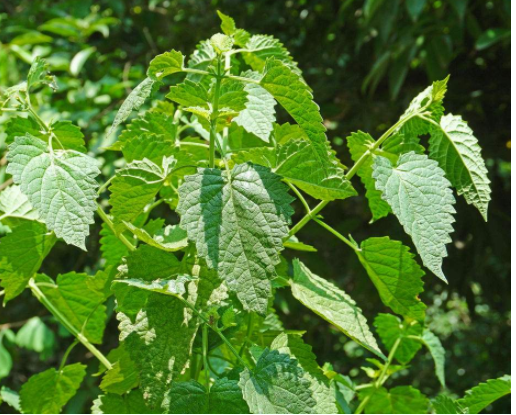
(364, 60)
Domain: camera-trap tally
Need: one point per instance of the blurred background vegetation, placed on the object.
(364, 60)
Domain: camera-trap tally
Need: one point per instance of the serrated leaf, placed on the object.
(123, 376)
(445, 405)
(276, 386)
(38, 74)
(456, 149)
(238, 220)
(170, 239)
(21, 253)
(391, 329)
(396, 275)
(149, 146)
(60, 184)
(398, 400)
(165, 64)
(432, 342)
(224, 397)
(189, 94)
(69, 135)
(133, 102)
(48, 391)
(18, 126)
(131, 403)
(201, 59)
(228, 26)
(133, 187)
(421, 198)
(332, 304)
(319, 384)
(259, 48)
(149, 263)
(485, 394)
(14, 204)
(10, 397)
(113, 250)
(77, 303)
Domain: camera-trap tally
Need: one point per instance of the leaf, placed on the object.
(432, 342)
(259, 115)
(228, 26)
(131, 403)
(456, 149)
(391, 329)
(201, 59)
(21, 253)
(76, 302)
(165, 64)
(113, 250)
(6, 361)
(133, 102)
(133, 187)
(60, 184)
(396, 275)
(294, 243)
(189, 94)
(123, 376)
(415, 7)
(14, 204)
(238, 221)
(485, 394)
(332, 304)
(48, 391)
(170, 239)
(10, 397)
(38, 74)
(224, 397)
(69, 135)
(35, 335)
(18, 126)
(276, 385)
(492, 36)
(323, 394)
(80, 59)
(149, 263)
(259, 48)
(398, 400)
(421, 198)
(445, 405)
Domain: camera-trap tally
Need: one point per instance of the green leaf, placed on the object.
(76, 302)
(201, 59)
(277, 386)
(133, 187)
(60, 184)
(165, 64)
(148, 146)
(421, 198)
(149, 263)
(48, 391)
(322, 392)
(415, 7)
(391, 329)
(172, 238)
(123, 376)
(233, 96)
(260, 48)
(398, 400)
(294, 243)
(38, 74)
(432, 342)
(259, 115)
(133, 102)
(221, 43)
(224, 397)
(14, 204)
(18, 126)
(238, 221)
(69, 135)
(456, 149)
(491, 37)
(445, 405)
(228, 26)
(80, 58)
(113, 250)
(332, 304)
(35, 335)
(10, 397)
(131, 403)
(21, 253)
(485, 394)
(6, 361)
(396, 275)
(189, 94)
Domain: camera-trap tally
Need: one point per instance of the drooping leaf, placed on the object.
(80, 305)
(21, 253)
(14, 204)
(391, 329)
(276, 385)
(432, 342)
(485, 394)
(165, 64)
(131, 403)
(332, 304)
(398, 400)
(238, 220)
(48, 391)
(319, 384)
(60, 184)
(456, 149)
(421, 198)
(133, 102)
(396, 275)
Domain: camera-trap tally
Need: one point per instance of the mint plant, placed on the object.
(195, 300)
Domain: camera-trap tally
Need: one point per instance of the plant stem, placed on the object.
(205, 355)
(64, 321)
(337, 234)
(109, 223)
(308, 217)
(65, 356)
(299, 196)
(213, 120)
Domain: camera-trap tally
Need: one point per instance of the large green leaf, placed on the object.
(485, 394)
(60, 184)
(398, 400)
(391, 330)
(456, 149)
(131, 403)
(396, 275)
(332, 304)
(21, 253)
(238, 220)
(421, 198)
(432, 342)
(277, 386)
(48, 391)
(322, 392)
(77, 302)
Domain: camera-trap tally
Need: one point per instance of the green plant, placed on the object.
(195, 300)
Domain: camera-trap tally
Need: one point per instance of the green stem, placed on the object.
(299, 196)
(312, 214)
(64, 321)
(243, 79)
(65, 356)
(363, 404)
(205, 356)
(383, 374)
(337, 234)
(111, 226)
(247, 334)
